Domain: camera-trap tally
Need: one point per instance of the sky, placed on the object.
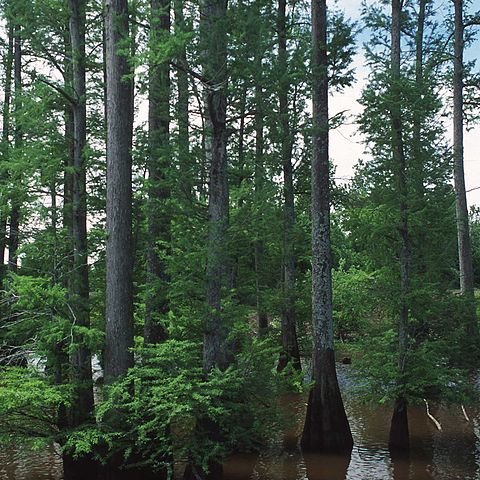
(345, 142)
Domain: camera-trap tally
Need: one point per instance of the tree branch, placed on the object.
(58, 89)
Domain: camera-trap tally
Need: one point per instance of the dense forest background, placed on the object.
(178, 249)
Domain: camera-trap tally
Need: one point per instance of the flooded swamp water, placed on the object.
(450, 454)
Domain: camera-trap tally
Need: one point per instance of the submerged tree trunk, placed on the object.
(6, 145)
(326, 425)
(158, 188)
(119, 296)
(461, 208)
(399, 436)
(290, 352)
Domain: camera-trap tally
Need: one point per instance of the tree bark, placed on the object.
(214, 14)
(399, 436)
(259, 172)
(290, 352)
(158, 188)
(68, 191)
(326, 425)
(240, 174)
(6, 143)
(13, 240)
(461, 208)
(79, 285)
(214, 64)
(184, 159)
(119, 295)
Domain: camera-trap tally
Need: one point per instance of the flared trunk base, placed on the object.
(326, 424)
(399, 440)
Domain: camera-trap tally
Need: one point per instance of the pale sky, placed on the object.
(345, 142)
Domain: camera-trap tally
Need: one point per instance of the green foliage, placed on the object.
(474, 222)
(163, 404)
(29, 406)
(355, 300)
(41, 307)
(430, 372)
(167, 403)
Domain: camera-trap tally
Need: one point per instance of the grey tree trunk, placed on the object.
(290, 352)
(13, 240)
(81, 368)
(214, 63)
(70, 148)
(399, 434)
(461, 208)
(326, 425)
(69, 162)
(214, 67)
(240, 174)
(184, 158)
(158, 189)
(119, 297)
(6, 143)
(68, 188)
(259, 173)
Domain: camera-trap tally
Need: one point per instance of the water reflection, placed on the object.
(326, 467)
(450, 454)
(24, 464)
(240, 467)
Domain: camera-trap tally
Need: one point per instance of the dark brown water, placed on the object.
(24, 464)
(450, 454)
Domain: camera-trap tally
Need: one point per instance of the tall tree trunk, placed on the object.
(399, 434)
(326, 425)
(240, 174)
(158, 188)
(79, 295)
(6, 144)
(461, 208)
(418, 154)
(80, 358)
(214, 14)
(290, 352)
(184, 158)
(259, 173)
(60, 358)
(119, 297)
(68, 192)
(214, 60)
(13, 240)
(70, 148)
